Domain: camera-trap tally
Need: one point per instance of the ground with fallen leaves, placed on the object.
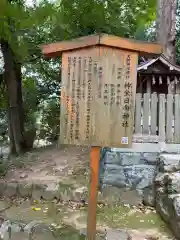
(69, 166)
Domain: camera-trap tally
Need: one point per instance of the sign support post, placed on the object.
(92, 203)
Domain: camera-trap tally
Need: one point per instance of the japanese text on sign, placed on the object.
(127, 95)
(94, 90)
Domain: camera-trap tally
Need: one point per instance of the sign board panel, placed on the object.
(98, 97)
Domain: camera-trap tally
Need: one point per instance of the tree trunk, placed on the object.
(16, 128)
(19, 93)
(166, 27)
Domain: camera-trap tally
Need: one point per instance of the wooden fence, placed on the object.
(157, 118)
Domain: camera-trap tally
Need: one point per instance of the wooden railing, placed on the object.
(157, 118)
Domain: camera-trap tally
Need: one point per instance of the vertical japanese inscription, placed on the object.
(113, 94)
(77, 121)
(89, 98)
(78, 86)
(84, 77)
(100, 72)
(73, 99)
(127, 94)
(78, 97)
(119, 73)
(69, 73)
(106, 93)
(65, 98)
(118, 94)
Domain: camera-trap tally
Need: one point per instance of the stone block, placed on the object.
(131, 159)
(50, 192)
(37, 191)
(160, 191)
(2, 187)
(11, 189)
(68, 194)
(24, 190)
(112, 158)
(140, 176)
(36, 227)
(5, 230)
(18, 231)
(173, 185)
(162, 207)
(169, 163)
(117, 235)
(149, 196)
(161, 179)
(114, 175)
(175, 227)
(18, 236)
(79, 194)
(176, 205)
(150, 158)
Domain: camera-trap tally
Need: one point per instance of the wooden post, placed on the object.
(94, 165)
(141, 86)
(148, 82)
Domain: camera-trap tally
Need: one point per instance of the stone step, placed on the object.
(18, 231)
(169, 162)
(48, 192)
(169, 183)
(117, 235)
(168, 206)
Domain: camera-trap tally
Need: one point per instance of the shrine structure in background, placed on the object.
(157, 112)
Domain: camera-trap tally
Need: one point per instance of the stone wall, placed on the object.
(167, 189)
(127, 171)
(156, 178)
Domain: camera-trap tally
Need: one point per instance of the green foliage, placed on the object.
(30, 102)
(120, 17)
(17, 20)
(26, 28)
(50, 120)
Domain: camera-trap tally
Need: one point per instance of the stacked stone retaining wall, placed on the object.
(154, 177)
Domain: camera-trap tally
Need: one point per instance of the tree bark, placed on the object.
(16, 127)
(19, 93)
(166, 27)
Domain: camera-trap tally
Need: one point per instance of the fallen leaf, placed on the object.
(36, 209)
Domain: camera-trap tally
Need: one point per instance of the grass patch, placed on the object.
(124, 217)
(119, 216)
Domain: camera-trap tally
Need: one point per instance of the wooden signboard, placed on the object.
(97, 97)
(98, 89)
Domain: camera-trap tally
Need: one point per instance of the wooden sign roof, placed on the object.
(143, 48)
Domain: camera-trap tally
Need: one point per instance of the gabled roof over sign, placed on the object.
(163, 60)
(144, 48)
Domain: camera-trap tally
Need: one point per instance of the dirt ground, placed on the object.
(70, 166)
(51, 164)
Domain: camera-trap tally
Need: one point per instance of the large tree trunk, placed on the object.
(166, 22)
(19, 93)
(166, 32)
(11, 75)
